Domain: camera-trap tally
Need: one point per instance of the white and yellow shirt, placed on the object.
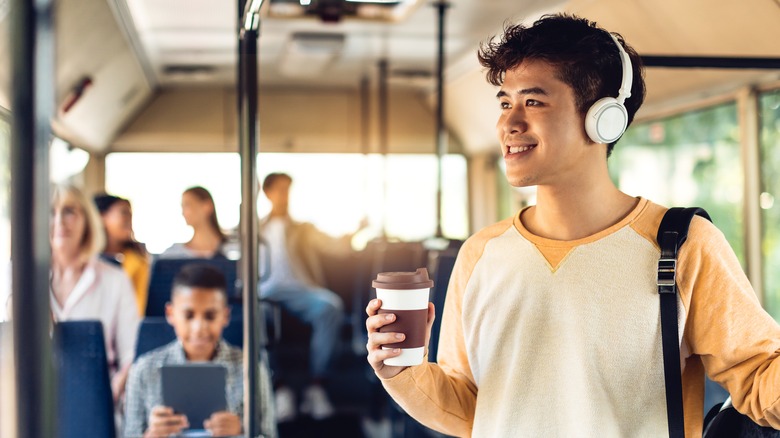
(562, 338)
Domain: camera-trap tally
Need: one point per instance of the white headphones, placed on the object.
(607, 118)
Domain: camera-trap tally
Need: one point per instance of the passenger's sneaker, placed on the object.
(316, 403)
(284, 399)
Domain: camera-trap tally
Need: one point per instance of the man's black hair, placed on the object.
(200, 275)
(584, 55)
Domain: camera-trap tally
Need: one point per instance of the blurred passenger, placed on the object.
(121, 246)
(198, 312)
(297, 282)
(85, 287)
(208, 240)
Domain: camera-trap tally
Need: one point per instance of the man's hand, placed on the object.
(376, 355)
(163, 422)
(223, 424)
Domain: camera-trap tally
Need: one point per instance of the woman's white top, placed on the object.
(104, 293)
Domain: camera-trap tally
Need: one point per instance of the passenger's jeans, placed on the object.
(322, 310)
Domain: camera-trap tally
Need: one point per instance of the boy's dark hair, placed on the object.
(271, 178)
(584, 55)
(200, 275)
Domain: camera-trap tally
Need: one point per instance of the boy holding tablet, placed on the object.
(198, 312)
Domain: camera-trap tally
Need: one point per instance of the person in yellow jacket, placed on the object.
(551, 325)
(121, 246)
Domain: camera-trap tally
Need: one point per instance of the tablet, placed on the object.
(196, 390)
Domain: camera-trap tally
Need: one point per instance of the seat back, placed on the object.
(164, 271)
(85, 403)
(445, 261)
(154, 332)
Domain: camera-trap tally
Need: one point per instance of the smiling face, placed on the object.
(198, 316)
(542, 135)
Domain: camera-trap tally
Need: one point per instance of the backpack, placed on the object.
(722, 420)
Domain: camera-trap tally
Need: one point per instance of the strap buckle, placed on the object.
(667, 273)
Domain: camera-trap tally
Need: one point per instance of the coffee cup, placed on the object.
(406, 295)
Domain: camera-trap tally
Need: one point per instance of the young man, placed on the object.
(551, 325)
(297, 283)
(198, 312)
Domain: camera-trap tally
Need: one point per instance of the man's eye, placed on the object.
(210, 316)
(532, 102)
(189, 315)
(505, 105)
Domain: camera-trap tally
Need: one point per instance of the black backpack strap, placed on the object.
(671, 235)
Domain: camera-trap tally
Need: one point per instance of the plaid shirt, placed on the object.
(144, 387)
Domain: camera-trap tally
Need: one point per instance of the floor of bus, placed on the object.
(359, 400)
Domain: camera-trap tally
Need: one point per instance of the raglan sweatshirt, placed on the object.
(555, 338)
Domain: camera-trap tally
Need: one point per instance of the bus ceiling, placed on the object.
(131, 75)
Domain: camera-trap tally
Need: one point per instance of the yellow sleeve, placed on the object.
(738, 342)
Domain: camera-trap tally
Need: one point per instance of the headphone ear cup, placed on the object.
(606, 120)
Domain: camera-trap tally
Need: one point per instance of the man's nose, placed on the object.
(514, 121)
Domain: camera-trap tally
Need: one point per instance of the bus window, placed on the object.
(769, 107)
(332, 191)
(691, 159)
(157, 219)
(397, 191)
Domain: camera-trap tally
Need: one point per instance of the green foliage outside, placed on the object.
(691, 159)
(769, 113)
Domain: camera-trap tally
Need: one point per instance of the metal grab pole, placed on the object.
(383, 137)
(248, 141)
(441, 131)
(32, 91)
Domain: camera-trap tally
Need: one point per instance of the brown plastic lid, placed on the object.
(403, 280)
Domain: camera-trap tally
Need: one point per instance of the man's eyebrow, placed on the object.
(524, 91)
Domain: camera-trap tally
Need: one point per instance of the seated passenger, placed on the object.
(208, 240)
(85, 287)
(296, 282)
(121, 246)
(198, 312)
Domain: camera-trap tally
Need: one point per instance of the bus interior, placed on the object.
(381, 114)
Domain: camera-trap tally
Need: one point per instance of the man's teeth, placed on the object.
(516, 149)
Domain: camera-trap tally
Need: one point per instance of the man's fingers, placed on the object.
(376, 340)
(373, 307)
(376, 358)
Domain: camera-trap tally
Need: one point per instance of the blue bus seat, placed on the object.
(445, 261)
(164, 271)
(85, 403)
(154, 332)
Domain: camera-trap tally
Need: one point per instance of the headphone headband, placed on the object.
(628, 73)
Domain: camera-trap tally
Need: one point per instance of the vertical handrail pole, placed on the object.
(247, 98)
(32, 90)
(383, 136)
(441, 131)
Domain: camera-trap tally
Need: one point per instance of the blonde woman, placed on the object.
(84, 287)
